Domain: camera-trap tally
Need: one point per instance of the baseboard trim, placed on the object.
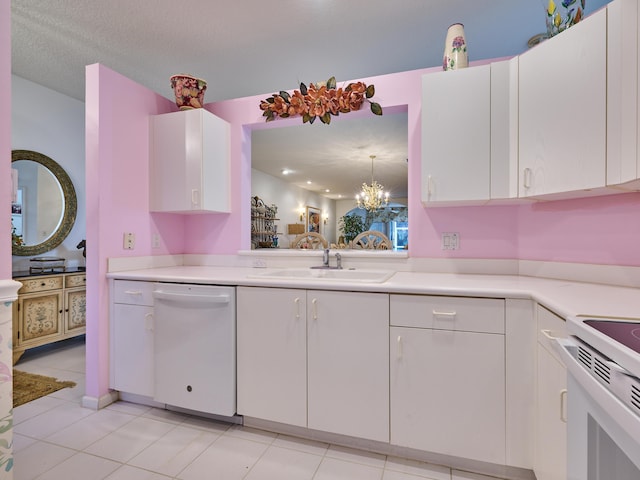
(455, 463)
(97, 403)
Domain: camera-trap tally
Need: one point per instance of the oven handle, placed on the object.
(620, 413)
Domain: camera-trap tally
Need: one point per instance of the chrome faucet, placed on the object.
(325, 258)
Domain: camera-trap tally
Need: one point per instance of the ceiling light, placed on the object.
(286, 171)
(372, 196)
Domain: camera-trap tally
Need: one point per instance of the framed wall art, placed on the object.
(314, 219)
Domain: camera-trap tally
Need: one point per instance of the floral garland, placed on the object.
(319, 101)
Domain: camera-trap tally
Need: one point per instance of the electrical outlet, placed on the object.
(450, 241)
(128, 241)
(155, 241)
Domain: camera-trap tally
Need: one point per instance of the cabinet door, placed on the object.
(448, 392)
(40, 317)
(348, 363)
(189, 162)
(563, 111)
(456, 135)
(551, 428)
(132, 348)
(75, 308)
(272, 354)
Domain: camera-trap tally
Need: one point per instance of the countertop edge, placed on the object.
(565, 298)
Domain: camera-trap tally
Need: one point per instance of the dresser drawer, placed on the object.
(133, 292)
(72, 281)
(41, 284)
(484, 315)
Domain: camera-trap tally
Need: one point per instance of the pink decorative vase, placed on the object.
(455, 48)
(189, 91)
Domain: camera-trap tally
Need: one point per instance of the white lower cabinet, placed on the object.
(315, 358)
(448, 376)
(132, 359)
(272, 354)
(348, 363)
(551, 414)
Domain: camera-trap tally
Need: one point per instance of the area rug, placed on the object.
(29, 386)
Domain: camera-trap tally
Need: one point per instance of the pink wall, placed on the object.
(485, 232)
(117, 183)
(600, 230)
(5, 140)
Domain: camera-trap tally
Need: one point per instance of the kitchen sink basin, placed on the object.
(347, 275)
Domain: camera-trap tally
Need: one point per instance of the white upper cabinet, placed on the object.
(189, 164)
(563, 111)
(469, 130)
(623, 161)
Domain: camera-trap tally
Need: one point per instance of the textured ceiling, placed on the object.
(255, 47)
(252, 47)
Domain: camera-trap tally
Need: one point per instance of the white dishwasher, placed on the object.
(195, 347)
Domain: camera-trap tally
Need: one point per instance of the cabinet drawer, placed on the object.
(72, 281)
(484, 315)
(133, 292)
(41, 284)
(550, 326)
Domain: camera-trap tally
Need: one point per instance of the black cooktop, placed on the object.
(627, 333)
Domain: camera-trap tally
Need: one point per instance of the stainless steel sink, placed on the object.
(347, 275)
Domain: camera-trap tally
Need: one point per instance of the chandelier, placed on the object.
(372, 196)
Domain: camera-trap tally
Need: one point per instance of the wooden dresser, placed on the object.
(50, 307)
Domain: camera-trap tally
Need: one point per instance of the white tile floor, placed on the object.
(56, 439)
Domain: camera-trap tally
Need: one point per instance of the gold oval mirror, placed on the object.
(45, 209)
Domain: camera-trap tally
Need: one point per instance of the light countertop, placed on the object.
(565, 298)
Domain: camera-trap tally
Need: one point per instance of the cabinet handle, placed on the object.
(451, 315)
(314, 302)
(195, 197)
(148, 322)
(297, 302)
(527, 177)
(133, 292)
(429, 185)
(547, 333)
(563, 405)
(399, 342)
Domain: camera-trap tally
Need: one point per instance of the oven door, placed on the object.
(603, 434)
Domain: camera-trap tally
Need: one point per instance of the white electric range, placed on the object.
(602, 356)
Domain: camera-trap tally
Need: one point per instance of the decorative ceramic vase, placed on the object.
(189, 91)
(562, 16)
(455, 48)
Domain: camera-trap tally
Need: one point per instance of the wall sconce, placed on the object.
(325, 218)
(302, 214)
